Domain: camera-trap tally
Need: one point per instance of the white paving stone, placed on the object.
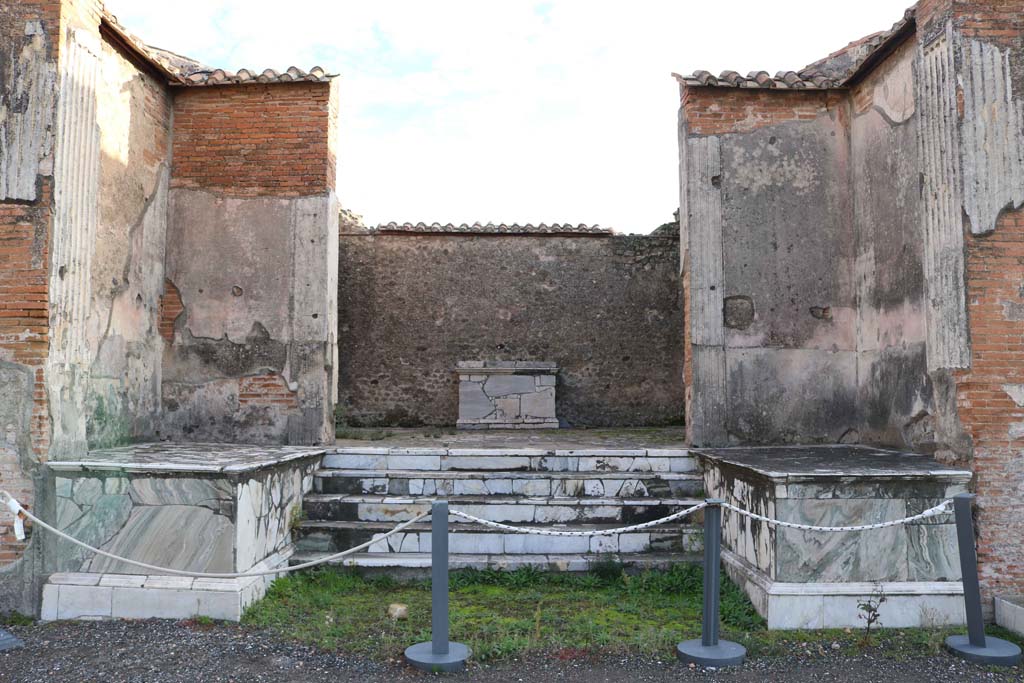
(75, 578)
(75, 602)
(123, 580)
(50, 603)
(146, 603)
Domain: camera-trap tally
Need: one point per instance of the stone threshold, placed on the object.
(530, 452)
(572, 562)
(1010, 613)
(457, 500)
(787, 606)
(537, 474)
(92, 596)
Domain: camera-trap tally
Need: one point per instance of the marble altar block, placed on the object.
(811, 579)
(212, 508)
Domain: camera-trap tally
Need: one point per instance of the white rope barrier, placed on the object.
(930, 512)
(18, 511)
(21, 513)
(600, 532)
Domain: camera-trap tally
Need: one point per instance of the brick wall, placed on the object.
(254, 140)
(24, 285)
(24, 336)
(991, 416)
(718, 111)
(268, 389)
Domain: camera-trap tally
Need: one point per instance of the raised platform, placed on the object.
(211, 508)
(1010, 613)
(577, 479)
(808, 579)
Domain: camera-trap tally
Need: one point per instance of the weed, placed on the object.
(870, 612)
(15, 619)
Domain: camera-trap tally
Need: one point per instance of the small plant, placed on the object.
(296, 516)
(870, 612)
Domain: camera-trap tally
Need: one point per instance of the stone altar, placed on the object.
(808, 579)
(507, 395)
(210, 508)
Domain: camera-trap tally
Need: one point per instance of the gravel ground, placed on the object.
(167, 651)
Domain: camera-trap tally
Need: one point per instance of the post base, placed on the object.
(996, 652)
(8, 641)
(726, 653)
(421, 656)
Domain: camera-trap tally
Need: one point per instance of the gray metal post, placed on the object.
(439, 577)
(975, 646)
(440, 654)
(712, 561)
(709, 650)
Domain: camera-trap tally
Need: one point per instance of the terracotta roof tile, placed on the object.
(831, 72)
(181, 70)
(497, 228)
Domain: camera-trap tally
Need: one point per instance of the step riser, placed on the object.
(487, 543)
(409, 566)
(544, 487)
(511, 512)
(511, 463)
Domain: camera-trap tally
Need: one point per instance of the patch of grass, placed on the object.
(502, 614)
(15, 619)
(361, 434)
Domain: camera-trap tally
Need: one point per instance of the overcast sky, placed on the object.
(508, 110)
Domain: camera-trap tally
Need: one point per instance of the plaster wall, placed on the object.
(606, 310)
(126, 275)
(894, 393)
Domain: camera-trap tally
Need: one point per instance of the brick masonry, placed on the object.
(254, 140)
(990, 398)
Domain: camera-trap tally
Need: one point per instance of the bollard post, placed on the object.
(709, 650)
(975, 646)
(440, 654)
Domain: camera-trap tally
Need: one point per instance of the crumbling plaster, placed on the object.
(270, 313)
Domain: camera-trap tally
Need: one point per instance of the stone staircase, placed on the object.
(362, 492)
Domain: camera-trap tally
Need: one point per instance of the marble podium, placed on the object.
(809, 579)
(210, 508)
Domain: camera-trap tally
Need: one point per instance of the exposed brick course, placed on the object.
(995, 277)
(715, 111)
(254, 140)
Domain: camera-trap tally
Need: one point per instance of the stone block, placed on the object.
(51, 598)
(224, 605)
(147, 603)
(76, 602)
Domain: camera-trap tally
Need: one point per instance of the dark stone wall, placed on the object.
(607, 309)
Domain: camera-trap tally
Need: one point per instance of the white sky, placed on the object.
(508, 110)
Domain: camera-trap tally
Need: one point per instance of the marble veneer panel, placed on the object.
(836, 486)
(225, 514)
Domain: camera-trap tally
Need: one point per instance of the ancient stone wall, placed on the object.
(770, 258)
(133, 114)
(29, 51)
(894, 395)
(250, 299)
(606, 309)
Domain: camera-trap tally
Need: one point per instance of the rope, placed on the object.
(16, 508)
(19, 513)
(602, 532)
(930, 512)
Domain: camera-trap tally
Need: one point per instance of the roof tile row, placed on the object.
(496, 228)
(831, 72)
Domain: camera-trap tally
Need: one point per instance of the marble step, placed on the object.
(559, 484)
(508, 509)
(418, 564)
(512, 459)
(328, 537)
